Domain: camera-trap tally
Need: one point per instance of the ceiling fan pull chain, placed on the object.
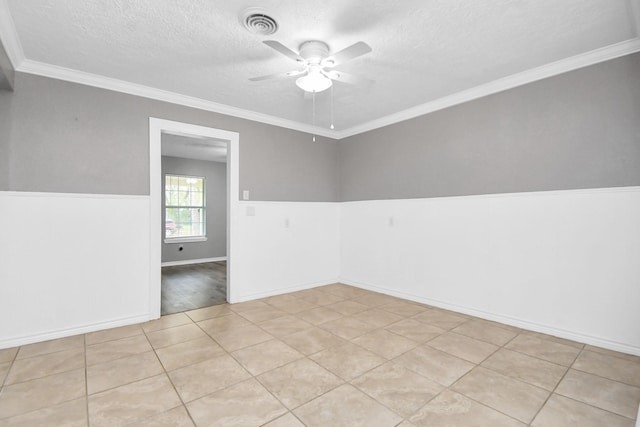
(313, 97)
(331, 108)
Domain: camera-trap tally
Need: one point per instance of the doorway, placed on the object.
(194, 222)
(183, 238)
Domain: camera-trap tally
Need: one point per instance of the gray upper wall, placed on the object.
(71, 138)
(576, 130)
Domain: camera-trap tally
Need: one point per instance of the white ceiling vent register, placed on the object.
(258, 21)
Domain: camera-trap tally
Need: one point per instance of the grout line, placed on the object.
(86, 380)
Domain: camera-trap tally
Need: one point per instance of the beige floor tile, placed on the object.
(349, 407)
(67, 414)
(347, 327)
(415, 331)
(132, 402)
(201, 314)
(550, 351)
(378, 318)
(485, 332)
(46, 364)
(349, 307)
(294, 305)
(440, 319)
(42, 392)
(560, 411)
(466, 348)
(169, 321)
(451, 409)
(248, 305)
(262, 314)
(299, 382)
(600, 392)
(435, 365)
(266, 356)
(285, 325)
(601, 350)
(507, 395)
(406, 423)
(319, 315)
(287, 420)
(202, 378)
(176, 417)
(241, 337)
(398, 388)
(4, 370)
(8, 354)
(229, 407)
(187, 353)
(115, 373)
(529, 369)
(551, 338)
(376, 300)
(178, 334)
(113, 334)
(320, 298)
(348, 361)
(112, 350)
(46, 347)
(614, 368)
(385, 343)
(224, 324)
(312, 340)
(345, 291)
(404, 308)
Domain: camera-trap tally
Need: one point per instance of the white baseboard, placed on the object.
(274, 292)
(511, 321)
(193, 261)
(63, 333)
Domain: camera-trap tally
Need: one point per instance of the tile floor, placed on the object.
(331, 356)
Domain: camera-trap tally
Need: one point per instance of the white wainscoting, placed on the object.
(561, 262)
(71, 263)
(284, 247)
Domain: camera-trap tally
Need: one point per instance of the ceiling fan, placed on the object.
(317, 73)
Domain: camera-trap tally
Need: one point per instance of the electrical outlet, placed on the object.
(245, 194)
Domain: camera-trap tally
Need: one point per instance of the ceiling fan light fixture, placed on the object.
(314, 82)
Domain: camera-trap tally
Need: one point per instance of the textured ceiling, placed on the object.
(189, 147)
(423, 50)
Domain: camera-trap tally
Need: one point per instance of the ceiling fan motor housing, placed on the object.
(314, 51)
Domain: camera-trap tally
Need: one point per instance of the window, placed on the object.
(184, 207)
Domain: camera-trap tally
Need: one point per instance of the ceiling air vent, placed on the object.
(256, 20)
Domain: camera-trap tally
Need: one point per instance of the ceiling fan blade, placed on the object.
(347, 54)
(342, 77)
(278, 75)
(283, 50)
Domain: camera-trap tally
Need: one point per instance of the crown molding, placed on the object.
(559, 67)
(9, 36)
(11, 42)
(88, 79)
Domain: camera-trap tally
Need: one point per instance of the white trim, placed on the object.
(542, 193)
(545, 71)
(62, 333)
(9, 36)
(193, 261)
(67, 74)
(512, 321)
(549, 70)
(156, 127)
(73, 195)
(172, 240)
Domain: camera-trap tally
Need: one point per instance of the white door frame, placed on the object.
(156, 127)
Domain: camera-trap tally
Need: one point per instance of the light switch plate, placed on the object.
(245, 194)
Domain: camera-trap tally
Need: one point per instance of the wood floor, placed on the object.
(187, 287)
